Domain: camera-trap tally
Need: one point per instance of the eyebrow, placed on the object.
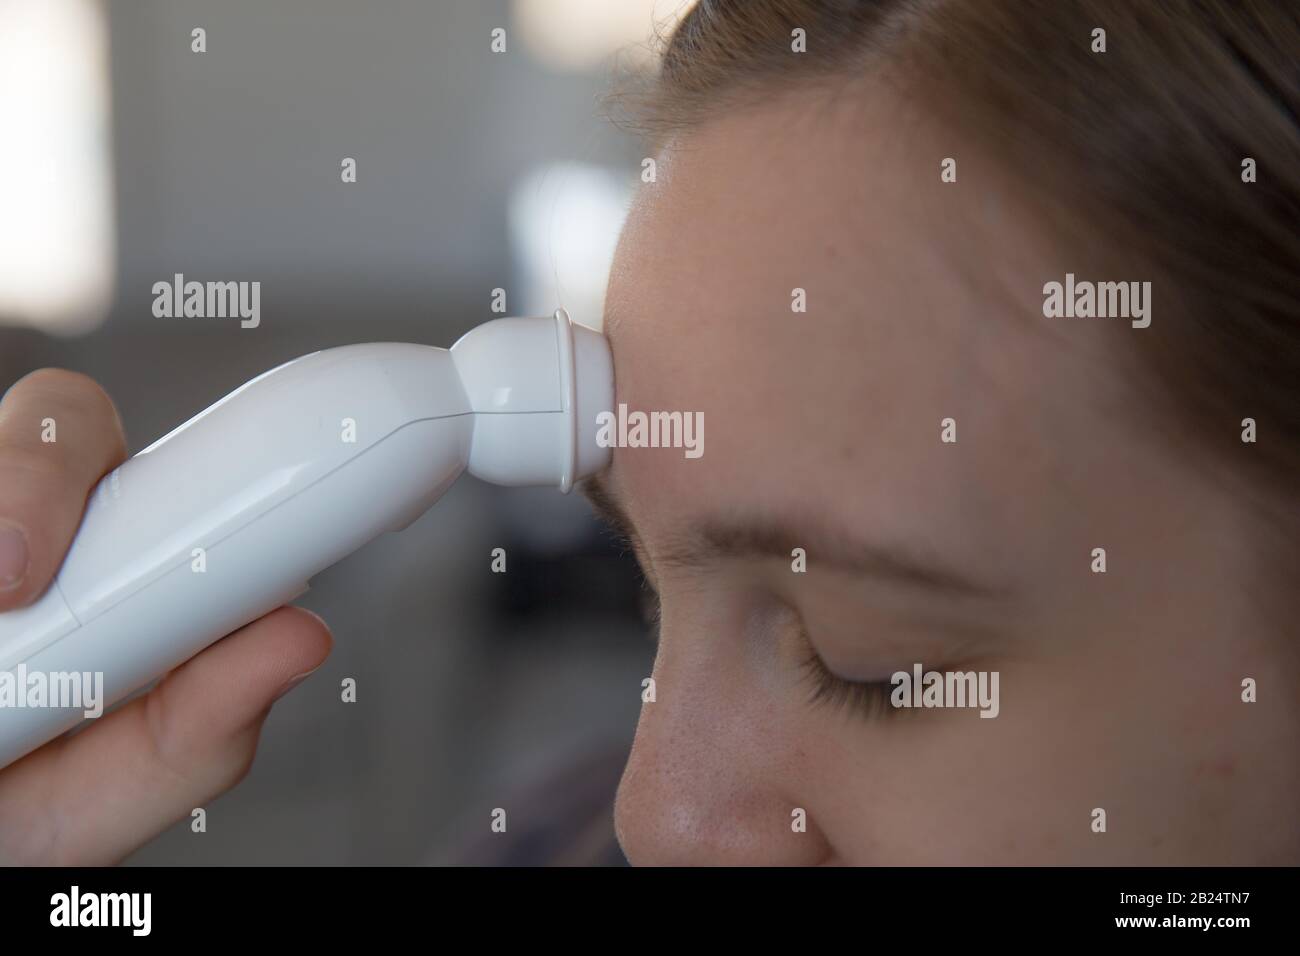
(762, 537)
(601, 497)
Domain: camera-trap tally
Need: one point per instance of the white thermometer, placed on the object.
(230, 515)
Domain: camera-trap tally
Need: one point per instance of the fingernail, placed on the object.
(13, 558)
(293, 682)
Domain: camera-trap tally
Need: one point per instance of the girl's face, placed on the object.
(1118, 691)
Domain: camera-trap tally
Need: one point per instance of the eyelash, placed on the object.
(868, 699)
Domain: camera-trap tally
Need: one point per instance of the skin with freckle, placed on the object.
(1119, 691)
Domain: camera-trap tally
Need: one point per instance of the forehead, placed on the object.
(923, 302)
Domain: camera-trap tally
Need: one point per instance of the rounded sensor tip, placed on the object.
(593, 375)
(537, 387)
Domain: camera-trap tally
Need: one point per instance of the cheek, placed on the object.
(1075, 733)
(951, 788)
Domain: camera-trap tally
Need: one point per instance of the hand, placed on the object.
(93, 797)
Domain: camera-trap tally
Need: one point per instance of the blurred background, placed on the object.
(132, 155)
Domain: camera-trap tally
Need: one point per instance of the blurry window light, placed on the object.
(577, 36)
(56, 205)
(565, 219)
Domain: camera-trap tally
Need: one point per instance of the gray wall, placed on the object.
(228, 161)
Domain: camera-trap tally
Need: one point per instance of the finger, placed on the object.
(92, 798)
(59, 434)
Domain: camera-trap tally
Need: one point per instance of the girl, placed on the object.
(861, 214)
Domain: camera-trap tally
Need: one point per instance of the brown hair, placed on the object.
(1153, 132)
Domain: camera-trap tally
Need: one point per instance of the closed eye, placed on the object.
(865, 698)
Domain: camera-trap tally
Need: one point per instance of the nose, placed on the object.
(713, 779)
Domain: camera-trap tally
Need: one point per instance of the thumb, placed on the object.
(92, 798)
